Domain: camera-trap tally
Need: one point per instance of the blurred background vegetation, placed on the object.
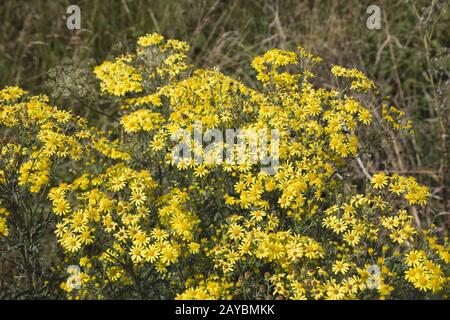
(409, 57)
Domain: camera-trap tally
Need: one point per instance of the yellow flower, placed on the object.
(235, 231)
(335, 291)
(169, 255)
(137, 254)
(138, 197)
(365, 116)
(61, 207)
(340, 266)
(194, 247)
(414, 258)
(150, 39)
(200, 171)
(379, 180)
(351, 238)
(3, 227)
(151, 253)
(72, 243)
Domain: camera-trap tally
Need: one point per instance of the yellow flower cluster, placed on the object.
(143, 119)
(154, 59)
(290, 233)
(268, 64)
(245, 240)
(135, 219)
(359, 81)
(3, 226)
(423, 273)
(308, 55)
(118, 77)
(413, 192)
(395, 117)
(116, 207)
(211, 288)
(35, 172)
(54, 133)
(150, 39)
(10, 93)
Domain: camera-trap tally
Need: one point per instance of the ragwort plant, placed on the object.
(41, 145)
(142, 224)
